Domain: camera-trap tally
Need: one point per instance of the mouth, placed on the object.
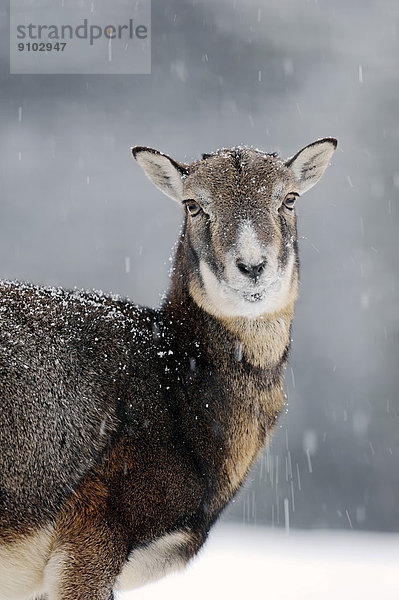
(251, 296)
(256, 297)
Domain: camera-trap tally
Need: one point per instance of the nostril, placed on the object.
(260, 268)
(245, 269)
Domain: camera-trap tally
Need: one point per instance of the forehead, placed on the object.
(237, 175)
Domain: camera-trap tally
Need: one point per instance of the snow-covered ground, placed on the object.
(239, 562)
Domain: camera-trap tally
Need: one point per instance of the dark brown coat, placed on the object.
(126, 430)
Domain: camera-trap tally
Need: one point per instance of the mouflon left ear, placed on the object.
(164, 172)
(309, 164)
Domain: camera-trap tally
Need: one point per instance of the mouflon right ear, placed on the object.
(165, 173)
(309, 164)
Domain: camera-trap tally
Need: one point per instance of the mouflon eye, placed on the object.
(289, 200)
(193, 208)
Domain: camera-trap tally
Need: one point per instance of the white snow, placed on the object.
(242, 562)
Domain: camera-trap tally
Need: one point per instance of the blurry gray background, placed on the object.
(76, 210)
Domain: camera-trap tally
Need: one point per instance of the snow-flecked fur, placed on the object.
(124, 431)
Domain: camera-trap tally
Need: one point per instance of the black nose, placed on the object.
(252, 271)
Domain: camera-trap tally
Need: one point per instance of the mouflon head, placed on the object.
(240, 224)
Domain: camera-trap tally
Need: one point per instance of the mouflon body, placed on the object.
(124, 431)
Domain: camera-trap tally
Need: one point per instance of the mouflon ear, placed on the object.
(164, 172)
(309, 164)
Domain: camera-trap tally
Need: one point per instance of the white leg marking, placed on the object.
(153, 561)
(53, 573)
(22, 564)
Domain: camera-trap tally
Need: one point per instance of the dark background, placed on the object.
(75, 211)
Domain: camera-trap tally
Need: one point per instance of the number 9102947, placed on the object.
(41, 46)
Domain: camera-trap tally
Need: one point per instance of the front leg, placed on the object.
(89, 547)
(83, 571)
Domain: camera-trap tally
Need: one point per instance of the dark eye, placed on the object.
(289, 200)
(193, 208)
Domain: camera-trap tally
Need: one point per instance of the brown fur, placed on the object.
(128, 430)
